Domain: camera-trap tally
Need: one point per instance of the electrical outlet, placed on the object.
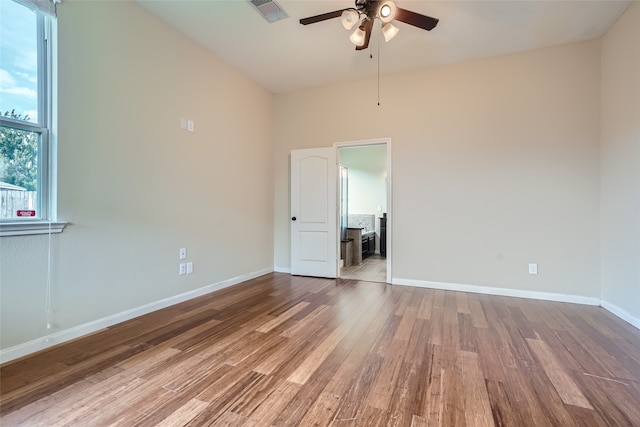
(183, 253)
(183, 268)
(533, 268)
(189, 267)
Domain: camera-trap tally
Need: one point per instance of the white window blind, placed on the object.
(45, 6)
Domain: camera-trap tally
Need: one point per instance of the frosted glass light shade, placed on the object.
(349, 18)
(357, 37)
(389, 31)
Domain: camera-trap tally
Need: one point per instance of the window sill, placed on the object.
(23, 228)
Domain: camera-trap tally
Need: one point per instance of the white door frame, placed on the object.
(378, 141)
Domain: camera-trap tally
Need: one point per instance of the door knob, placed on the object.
(293, 218)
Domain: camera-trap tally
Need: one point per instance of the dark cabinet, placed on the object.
(368, 244)
(383, 236)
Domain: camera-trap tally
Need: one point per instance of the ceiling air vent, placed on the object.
(269, 9)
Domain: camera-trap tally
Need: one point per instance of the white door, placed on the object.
(314, 245)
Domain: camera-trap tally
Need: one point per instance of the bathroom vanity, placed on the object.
(364, 244)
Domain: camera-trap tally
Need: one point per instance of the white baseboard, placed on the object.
(59, 337)
(621, 313)
(56, 338)
(547, 296)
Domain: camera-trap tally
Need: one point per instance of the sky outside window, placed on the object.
(18, 60)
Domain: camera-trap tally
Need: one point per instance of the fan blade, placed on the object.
(323, 17)
(368, 26)
(417, 20)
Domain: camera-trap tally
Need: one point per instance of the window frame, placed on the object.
(46, 222)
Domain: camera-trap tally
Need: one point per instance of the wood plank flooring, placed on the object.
(282, 350)
(372, 269)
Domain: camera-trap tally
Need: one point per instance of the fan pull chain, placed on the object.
(378, 70)
(371, 57)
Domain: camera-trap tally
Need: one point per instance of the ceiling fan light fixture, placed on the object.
(389, 31)
(357, 37)
(350, 17)
(387, 11)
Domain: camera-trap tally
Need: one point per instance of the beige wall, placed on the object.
(621, 164)
(495, 164)
(133, 185)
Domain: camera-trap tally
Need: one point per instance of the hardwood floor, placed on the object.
(286, 351)
(372, 269)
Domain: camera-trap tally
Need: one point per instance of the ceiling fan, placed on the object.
(365, 13)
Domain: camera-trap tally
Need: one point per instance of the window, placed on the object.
(27, 204)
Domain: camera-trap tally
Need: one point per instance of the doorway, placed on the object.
(364, 206)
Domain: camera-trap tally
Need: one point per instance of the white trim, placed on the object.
(282, 270)
(44, 6)
(30, 227)
(59, 337)
(621, 313)
(547, 296)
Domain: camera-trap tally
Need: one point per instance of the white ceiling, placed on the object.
(284, 56)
